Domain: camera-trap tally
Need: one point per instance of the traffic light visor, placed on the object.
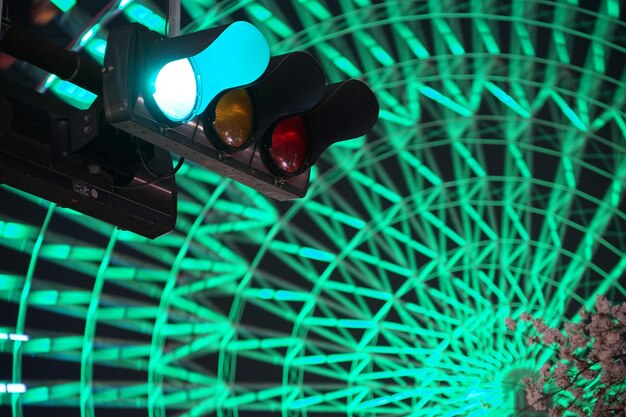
(184, 87)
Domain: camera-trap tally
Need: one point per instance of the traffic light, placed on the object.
(216, 98)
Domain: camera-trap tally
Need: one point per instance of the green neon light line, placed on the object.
(16, 404)
(64, 5)
(87, 355)
(138, 13)
(445, 101)
(507, 99)
(155, 393)
(567, 110)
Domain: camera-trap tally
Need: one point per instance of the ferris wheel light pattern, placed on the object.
(492, 185)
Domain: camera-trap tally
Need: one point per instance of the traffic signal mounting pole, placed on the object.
(173, 20)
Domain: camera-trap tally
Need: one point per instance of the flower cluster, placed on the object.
(587, 377)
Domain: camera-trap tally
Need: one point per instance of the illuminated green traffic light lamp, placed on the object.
(177, 78)
(184, 87)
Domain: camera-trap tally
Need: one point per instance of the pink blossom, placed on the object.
(590, 363)
(603, 306)
(588, 373)
(577, 410)
(510, 324)
(599, 324)
(556, 412)
(561, 378)
(525, 317)
(619, 312)
(577, 339)
(552, 336)
(533, 340)
(577, 391)
(566, 353)
(535, 397)
(539, 325)
(584, 314)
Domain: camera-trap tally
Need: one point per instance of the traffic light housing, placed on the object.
(295, 142)
(74, 159)
(264, 122)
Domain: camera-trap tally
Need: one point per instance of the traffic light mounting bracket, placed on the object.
(45, 149)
